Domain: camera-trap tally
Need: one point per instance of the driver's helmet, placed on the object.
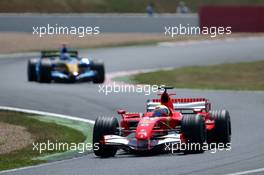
(64, 49)
(161, 110)
(65, 56)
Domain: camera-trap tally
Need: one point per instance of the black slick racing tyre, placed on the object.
(193, 128)
(222, 131)
(104, 126)
(44, 73)
(100, 73)
(31, 70)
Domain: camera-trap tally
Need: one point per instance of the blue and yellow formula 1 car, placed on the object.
(64, 67)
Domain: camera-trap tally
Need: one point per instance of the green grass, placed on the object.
(237, 76)
(41, 131)
(104, 6)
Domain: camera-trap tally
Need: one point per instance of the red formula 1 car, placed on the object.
(166, 121)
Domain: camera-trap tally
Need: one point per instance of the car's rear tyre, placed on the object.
(104, 126)
(100, 73)
(222, 131)
(31, 70)
(193, 128)
(44, 75)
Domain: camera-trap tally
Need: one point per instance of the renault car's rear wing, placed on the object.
(56, 53)
(183, 105)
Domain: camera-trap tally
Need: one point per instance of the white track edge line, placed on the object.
(248, 172)
(46, 113)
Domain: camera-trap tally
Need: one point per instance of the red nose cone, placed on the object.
(142, 135)
(144, 129)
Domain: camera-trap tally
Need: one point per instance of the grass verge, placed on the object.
(235, 76)
(41, 130)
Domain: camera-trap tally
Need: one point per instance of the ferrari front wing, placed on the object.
(141, 145)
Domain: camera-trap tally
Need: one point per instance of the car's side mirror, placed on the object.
(121, 111)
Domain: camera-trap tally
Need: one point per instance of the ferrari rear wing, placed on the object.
(183, 105)
(56, 53)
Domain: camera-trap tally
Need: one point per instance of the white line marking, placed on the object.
(16, 55)
(206, 41)
(46, 113)
(110, 76)
(7, 108)
(248, 172)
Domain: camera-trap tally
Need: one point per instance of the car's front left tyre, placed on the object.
(100, 72)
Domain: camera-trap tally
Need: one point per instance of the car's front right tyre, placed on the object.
(104, 126)
(193, 128)
(44, 75)
(31, 70)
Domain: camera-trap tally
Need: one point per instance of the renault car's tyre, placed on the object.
(31, 70)
(44, 75)
(100, 70)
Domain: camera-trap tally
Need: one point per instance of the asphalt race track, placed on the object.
(84, 100)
